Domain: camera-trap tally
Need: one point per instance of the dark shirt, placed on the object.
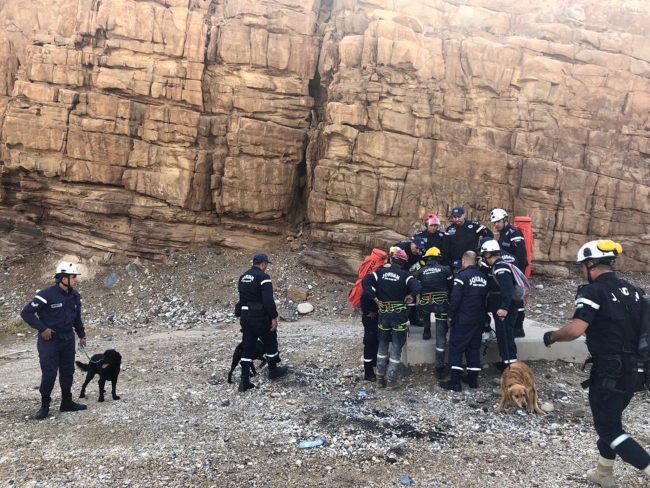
(503, 274)
(368, 305)
(602, 304)
(390, 284)
(436, 239)
(412, 265)
(510, 258)
(53, 308)
(467, 304)
(436, 278)
(512, 241)
(465, 237)
(255, 286)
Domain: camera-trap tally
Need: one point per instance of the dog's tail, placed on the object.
(81, 366)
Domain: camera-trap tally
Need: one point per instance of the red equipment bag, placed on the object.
(376, 259)
(524, 224)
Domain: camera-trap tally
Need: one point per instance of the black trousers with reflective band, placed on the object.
(254, 328)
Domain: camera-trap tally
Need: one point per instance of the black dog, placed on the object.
(107, 366)
(236, 357)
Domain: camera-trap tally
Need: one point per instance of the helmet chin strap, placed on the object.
(60, 281)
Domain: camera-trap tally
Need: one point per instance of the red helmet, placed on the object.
(400, 254)
(433, 219)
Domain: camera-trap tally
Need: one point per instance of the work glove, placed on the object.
(547, 338)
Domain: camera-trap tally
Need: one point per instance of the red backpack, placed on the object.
(376, 259)
(524, 224)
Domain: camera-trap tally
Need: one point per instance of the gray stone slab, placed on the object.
(529, 348)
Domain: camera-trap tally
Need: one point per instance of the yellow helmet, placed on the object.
(432, 252)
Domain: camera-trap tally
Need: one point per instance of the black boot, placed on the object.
(426, 335)
(453, 384)
(519, 333)
(45, 408)
(276, 371)
(369, 372)
(244, 382)
(472, 379)
(67, 405)
(441, 373)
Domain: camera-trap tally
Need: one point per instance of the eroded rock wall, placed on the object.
(539, 107)
(138, 126)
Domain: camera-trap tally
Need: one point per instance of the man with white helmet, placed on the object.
(56, 313)
(609, 312)
(511, 240)
(502, 305)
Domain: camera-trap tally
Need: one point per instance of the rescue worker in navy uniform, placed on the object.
(413, 249)
(608, 311)
(391, 288)
(503, 307)
(434, 237)
(370, 321)
(258, 319)
(511, 240)
(494, 296)
(56, 313)
(437, 281)
(463, 235)
(466, 317)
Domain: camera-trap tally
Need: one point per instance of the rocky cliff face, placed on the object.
(132, 127)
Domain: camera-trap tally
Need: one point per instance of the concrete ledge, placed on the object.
(529, 348)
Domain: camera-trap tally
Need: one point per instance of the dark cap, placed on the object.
(261, 258)
(419, 242)
(457, 264)
(457, 211)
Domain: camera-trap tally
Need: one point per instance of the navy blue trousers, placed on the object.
(56, 356)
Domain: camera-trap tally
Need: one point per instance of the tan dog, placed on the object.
(518, 385)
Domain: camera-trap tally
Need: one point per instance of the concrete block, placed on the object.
(529, 348)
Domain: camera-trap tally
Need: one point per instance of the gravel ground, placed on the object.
(179, 423)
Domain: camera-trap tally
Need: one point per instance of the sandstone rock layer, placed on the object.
(132, 127)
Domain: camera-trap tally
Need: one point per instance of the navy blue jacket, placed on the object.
(390, 284)
(503, 274)
(465, 237)
(435, 278)
(436, 239)
(413, 263)
(512, 240)
(55, 309)
(255, 286)
(612, 308)
(467, 305)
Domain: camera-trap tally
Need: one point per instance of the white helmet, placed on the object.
(67, 268)
(490, 246)
(606, 250)
(498, 214)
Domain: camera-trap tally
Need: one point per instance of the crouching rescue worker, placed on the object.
(391, 288)
(609, 310)
(466, 317)
(56, 313)
(258, 319)
(437, 281)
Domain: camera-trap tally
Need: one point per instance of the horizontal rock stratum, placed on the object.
(134, 127)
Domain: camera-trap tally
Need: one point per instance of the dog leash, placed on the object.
(82, 349)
